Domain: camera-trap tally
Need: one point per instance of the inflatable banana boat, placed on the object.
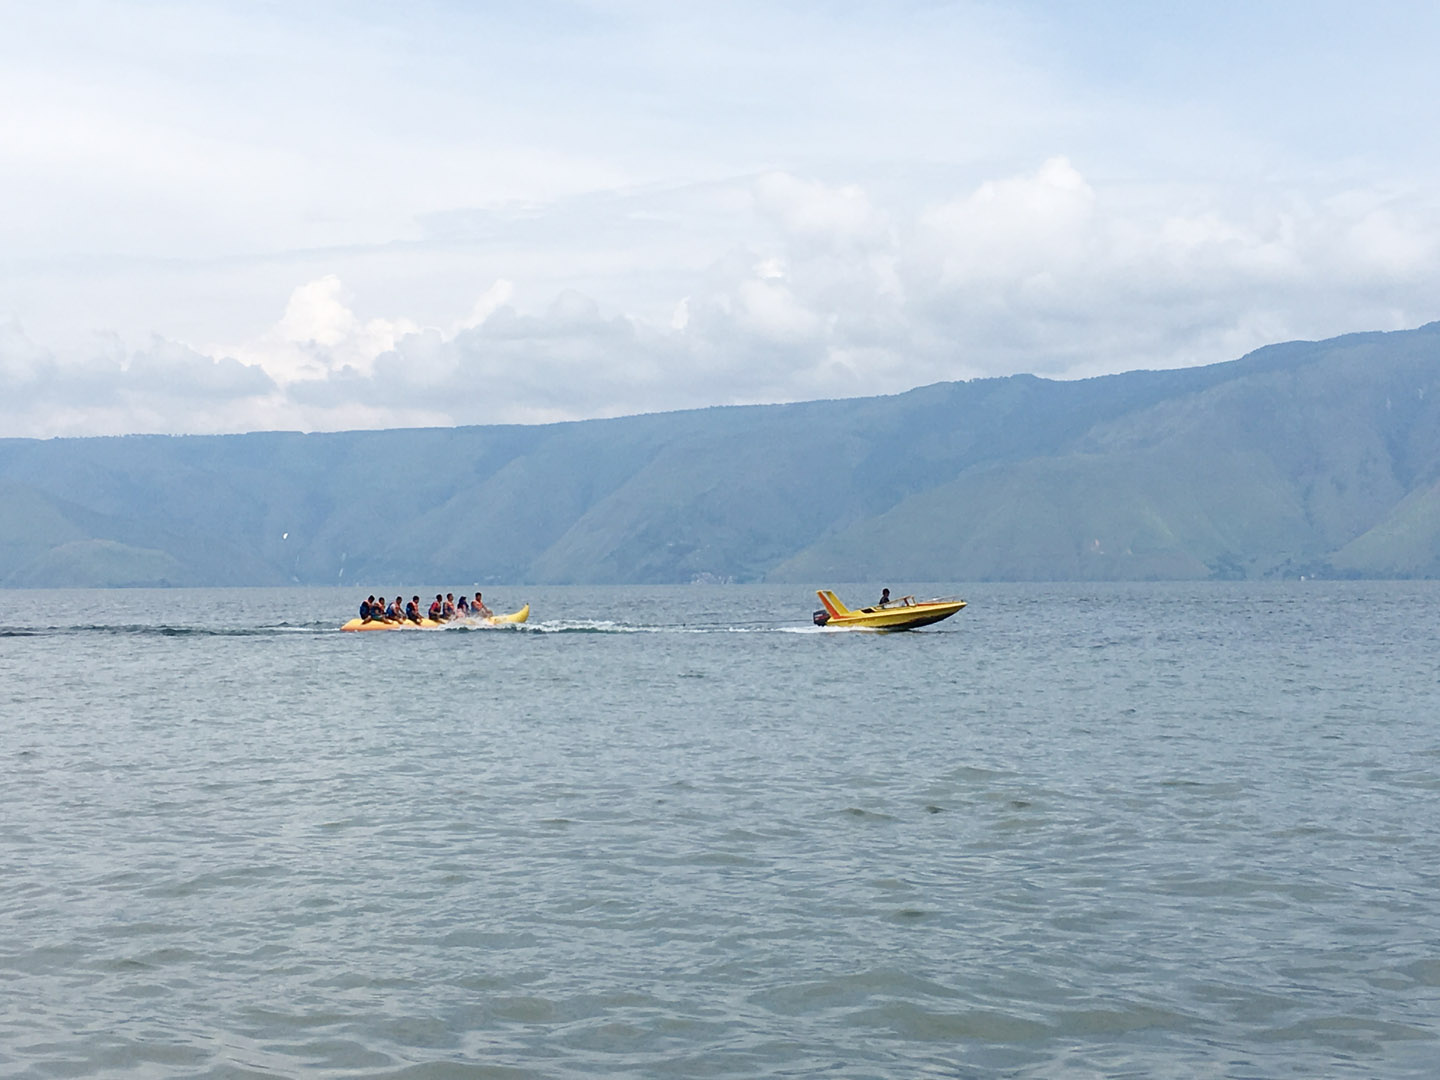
(904, 614)
(430, 624)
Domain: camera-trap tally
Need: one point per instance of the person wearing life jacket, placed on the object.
(448, 610)
(367, 608)
(412, 609)
(479, 608)
(437, 609)
(394, 613)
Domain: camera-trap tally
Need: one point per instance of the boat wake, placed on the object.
(160, 630)
(546, 627)
(605, 626)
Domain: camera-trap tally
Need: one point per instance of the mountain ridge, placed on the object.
(1314, 458)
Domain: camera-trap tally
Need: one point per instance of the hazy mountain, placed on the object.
(1317, 458)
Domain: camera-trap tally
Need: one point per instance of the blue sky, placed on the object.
(229, 217)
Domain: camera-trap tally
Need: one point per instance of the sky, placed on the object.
(224, 217)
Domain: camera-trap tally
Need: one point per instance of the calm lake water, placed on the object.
(1075, 831)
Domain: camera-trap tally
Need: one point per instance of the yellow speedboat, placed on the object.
(904, 614)
(430, 624)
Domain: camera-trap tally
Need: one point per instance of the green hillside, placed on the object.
(1313, 458)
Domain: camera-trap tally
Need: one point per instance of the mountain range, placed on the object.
(1299, 459)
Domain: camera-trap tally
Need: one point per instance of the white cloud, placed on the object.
(1014, 227)
(491, 300)
(1047, 272)
(22, 362)
(554, 210)
(837, 218)
(162, 387)
(815, 291)
(319, 336)
(767, 308)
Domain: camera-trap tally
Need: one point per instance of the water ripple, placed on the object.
(1190, 843)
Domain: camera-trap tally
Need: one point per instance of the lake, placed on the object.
(1165, 830)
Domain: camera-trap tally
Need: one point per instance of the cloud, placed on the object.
(225, 216)
(836, 218)
(815, 290)
(1049, 273)
(163, 387)
(766, 308)
(22, 362)
(320, 336)
(490, 301)
(1012, 229)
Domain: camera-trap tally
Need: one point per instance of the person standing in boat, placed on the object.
(884, 598)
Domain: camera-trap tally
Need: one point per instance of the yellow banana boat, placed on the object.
(904, 614)
(430, 624)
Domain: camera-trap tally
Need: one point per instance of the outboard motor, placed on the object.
(821, 617)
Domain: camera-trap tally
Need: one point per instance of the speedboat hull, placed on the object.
(430, 624)
(905, 614)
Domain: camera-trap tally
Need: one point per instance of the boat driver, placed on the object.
(884, 598)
